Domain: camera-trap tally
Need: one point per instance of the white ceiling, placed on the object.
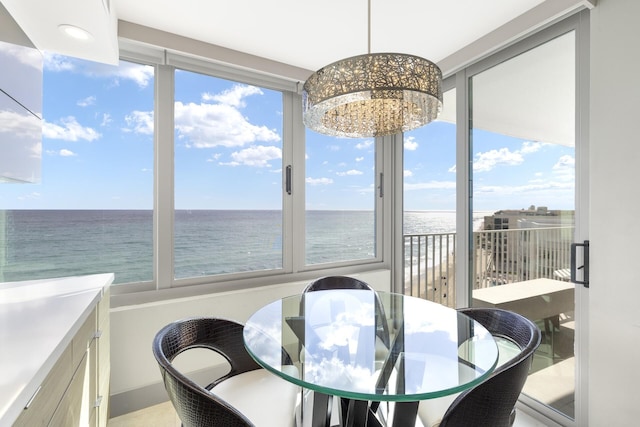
(309, 35)
(530, 96)
(301, 33)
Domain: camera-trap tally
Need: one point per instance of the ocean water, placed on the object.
(55, 243)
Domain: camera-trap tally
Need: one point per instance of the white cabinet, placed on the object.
(20, 113)
(55, 368)
(76, 391)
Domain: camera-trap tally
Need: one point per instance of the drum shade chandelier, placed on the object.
(372, 95)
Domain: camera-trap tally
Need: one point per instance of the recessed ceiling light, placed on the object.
(75, 32)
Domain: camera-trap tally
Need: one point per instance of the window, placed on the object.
(190, 197)
(523, 112)
(341, 197)
(429, 219)
(228, 177)
(92, 213)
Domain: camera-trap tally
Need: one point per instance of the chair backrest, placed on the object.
(491, 402)
(346, 282)
(336, 282)
(195, 405)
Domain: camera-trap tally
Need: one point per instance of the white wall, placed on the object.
(133, 328)
(614, 295)
(614, 300)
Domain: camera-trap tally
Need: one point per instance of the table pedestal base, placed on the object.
(359, 413)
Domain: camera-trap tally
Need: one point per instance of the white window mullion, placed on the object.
(393, 234)
(292, 134)
(464, 187)
(296, 222)
(164, 173)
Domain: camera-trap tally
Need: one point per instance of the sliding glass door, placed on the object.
(523, 148)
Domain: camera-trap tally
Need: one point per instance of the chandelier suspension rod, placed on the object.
(372, 95)
(369, 27)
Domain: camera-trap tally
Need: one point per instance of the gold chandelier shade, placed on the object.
(372, 95)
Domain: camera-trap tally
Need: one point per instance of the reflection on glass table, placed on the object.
(333, 337)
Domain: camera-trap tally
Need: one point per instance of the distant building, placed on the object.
(540, 217)
(529, 243)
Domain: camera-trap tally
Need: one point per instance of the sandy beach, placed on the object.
(435, 283)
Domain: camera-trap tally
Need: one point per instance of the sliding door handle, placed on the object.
(287, 184)
(584, 267)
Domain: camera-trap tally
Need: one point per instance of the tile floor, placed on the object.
(163, 415)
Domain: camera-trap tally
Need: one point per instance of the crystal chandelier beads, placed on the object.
(372, 95)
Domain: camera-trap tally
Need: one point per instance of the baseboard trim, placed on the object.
(154, 394)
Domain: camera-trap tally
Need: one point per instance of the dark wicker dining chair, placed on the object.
(346, 282)
(492, 402)
(383, 338)
(246, 396)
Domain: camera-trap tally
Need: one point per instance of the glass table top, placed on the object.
(368, 345)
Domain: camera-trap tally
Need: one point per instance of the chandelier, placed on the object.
(372, 95)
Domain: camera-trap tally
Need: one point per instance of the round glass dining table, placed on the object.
(366, 346)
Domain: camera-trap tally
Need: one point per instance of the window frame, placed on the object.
(164, 285)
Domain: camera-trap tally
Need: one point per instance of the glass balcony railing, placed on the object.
(503, 257)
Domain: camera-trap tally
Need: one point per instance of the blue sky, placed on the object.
(98, 152)
(508, 173)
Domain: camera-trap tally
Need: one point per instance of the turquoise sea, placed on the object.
(55, 243)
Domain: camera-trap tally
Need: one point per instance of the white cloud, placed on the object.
(564, 169)
(359, 159)
(66, 153)
(89, 100)
(214, 157)
(407, 173)
(530, 147)
(106, 119)
(520, 189)
(18, 125)
(140, 122)
(410, 143)
(351, 172)
(141, 75)
(431, 185)
(29, 57)
(69, 130)
(30, 196)
(364, 144)
(218, 122)
(565, 162)
(213, 125)
(257, 156)
(319, 181)
(486, 161)
(233, 97)
(55, 62)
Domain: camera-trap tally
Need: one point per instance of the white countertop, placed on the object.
(38, 319)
